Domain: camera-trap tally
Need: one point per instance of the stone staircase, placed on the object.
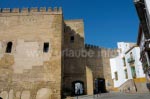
(128, 86)
(137, 85)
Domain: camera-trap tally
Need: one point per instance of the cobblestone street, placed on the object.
(117, 96)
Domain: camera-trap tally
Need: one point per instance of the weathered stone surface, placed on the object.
(18, 95)
(44, 93)
(27, 67)
(4, 94)
(11, 94)
(25, 95)
(90, 82)
(74, 67)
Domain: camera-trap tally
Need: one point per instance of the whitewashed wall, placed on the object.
(117, 64)
(138, 65)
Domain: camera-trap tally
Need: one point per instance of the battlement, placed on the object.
(98, 47)
(91, 46)
(31, 10)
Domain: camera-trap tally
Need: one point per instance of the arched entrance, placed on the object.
(78, 88)
(100, 86)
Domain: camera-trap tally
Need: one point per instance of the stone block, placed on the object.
(44, 93)
(25, 95)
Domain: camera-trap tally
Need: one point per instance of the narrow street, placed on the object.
(117, 96)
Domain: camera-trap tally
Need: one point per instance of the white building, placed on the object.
(117, 64)
(133, 64)
(117, 71)
(126, 68)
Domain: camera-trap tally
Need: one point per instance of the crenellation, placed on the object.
(92, 46)
(15, 10)
(55, 9)
(86, 45)
(33, 9)
(6, 10)
(49, 9)
(24, 10)
(99, 47)
(60, 9)
(95, 46)
(42, 9)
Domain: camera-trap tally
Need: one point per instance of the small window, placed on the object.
(9, 47)
(46, 47)
(126, 73)
(72, 39)
(116, 75)
(124, 61)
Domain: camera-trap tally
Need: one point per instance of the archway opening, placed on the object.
(78, 88)
(100, 86)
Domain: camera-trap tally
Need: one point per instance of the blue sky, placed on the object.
(106, 21)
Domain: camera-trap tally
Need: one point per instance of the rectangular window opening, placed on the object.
(126, 73)
(124, 61)
(46, 47)
(72, 39)
(9, 47)
(116, 75)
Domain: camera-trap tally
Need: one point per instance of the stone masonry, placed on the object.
(27, 71)
(34, 60)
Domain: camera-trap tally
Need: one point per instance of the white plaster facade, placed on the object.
(138, 65)
(120, 63)
(117, 66)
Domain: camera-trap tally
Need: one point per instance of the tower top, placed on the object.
(43, 10)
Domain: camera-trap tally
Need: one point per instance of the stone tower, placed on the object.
(29, 66)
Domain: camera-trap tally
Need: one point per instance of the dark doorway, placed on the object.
(99, 86)
(78, 88)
